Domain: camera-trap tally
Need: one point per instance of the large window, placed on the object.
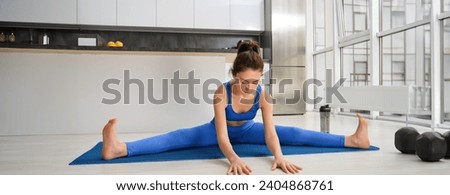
(355, 64)
(356, 16)
(445, 5)
(406, 50)
(323, 24)
(407, 61)
(355, 42)
(396, 50)
(406, 57)
(323, 46)
(397, 13)
(446, 69)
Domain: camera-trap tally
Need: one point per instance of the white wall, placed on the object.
(49, 93)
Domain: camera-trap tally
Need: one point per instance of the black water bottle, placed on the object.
(325, 118)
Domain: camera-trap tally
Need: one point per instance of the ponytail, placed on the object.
(247, 57)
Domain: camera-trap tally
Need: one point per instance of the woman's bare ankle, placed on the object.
(360, 139)
(112, 147)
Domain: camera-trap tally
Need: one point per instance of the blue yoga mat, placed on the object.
(93, 156)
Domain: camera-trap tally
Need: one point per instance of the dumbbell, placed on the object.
(405, 140)
(447, 138)
(431, 146)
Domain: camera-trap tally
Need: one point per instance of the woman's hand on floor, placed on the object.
(286, 166)
(239, 167)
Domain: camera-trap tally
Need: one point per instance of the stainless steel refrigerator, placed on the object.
(284, 46)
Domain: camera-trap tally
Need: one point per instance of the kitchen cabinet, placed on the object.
(136, 13)
(175, 13)
(42, 11)
(212, 14)
(98, 12)
(199, 14)
(247, 15)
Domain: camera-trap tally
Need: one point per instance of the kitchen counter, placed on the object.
(63, 39)
(125, 48)
(80, 89)
(229, 57)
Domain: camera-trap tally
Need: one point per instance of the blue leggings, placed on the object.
(249, 133)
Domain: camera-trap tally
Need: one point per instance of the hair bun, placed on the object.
(248, 45)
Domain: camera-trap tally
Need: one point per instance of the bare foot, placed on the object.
(360, 139)
(112, 147)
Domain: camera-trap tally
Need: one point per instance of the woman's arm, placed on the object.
(269, 127)
(236, 165)
(271, 136)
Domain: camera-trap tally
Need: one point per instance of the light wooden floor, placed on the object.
(51, 154)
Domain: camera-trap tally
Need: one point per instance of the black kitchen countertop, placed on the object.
(125, 48)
